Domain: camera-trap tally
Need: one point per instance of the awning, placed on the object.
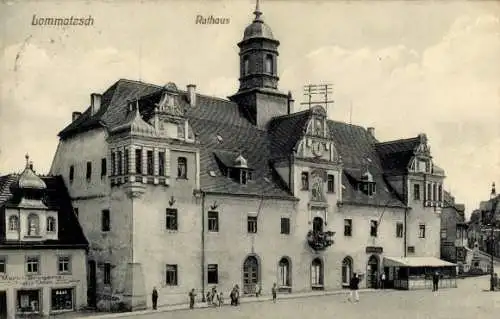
(416, 262)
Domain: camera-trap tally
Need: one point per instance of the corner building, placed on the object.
(178, 190)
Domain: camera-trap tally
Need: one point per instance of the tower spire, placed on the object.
(257, 11)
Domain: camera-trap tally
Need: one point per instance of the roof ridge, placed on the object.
(137, 82)
(290, 115)
(348, 124)
(399, 140)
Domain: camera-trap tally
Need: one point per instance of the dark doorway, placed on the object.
(317, 224)
(250, 274)
(372, 272)
(92, 284)
(3, 305)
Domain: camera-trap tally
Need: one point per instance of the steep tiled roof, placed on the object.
(286, 131)
(57, 198)
(396, 155)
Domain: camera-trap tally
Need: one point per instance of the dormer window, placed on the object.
(13, 223)
(33, 225)
(51, 224)
(367, 184)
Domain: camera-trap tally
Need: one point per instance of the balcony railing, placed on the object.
(319, 240)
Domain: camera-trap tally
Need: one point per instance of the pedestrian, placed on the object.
(435, 281)
(496, 282)
(354, 286)
(209, 298)
(154, 297)
(273, 291)
(237, 294)
(192, 294)
(221, 299)
(382, 280)
(232, 296)
(215, 297)
(257, 290)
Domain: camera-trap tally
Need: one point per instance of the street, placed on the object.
(469, 300)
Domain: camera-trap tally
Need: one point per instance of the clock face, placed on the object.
(317, 149)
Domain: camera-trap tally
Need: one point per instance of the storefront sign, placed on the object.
(37, 280)
(374, 250)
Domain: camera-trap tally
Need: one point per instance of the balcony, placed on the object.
(319, 240)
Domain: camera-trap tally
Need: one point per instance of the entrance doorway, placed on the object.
(3, 305)
(372, 272)
(92, 284)
(317, 224)
(250, 274)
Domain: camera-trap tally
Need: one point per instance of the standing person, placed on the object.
(154, 297)
(237, 291)
(192, 294)
(273, 291)
(354, 286)
(232, 295)
(257, 289)
(435, 281)
(382, 280)
(221, 299)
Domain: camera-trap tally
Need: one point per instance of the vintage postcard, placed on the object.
(249, 159)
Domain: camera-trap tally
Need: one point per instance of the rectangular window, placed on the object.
(62, 299)
(399, 230)
(285, 225)
(373, 228)
(411, 249)
(89, 171)
(161, 163)
(150, 163)
(171, 219)
(113, 163)
(252, 224)
(64, 265)
(71, 173)
(171, 275)
(429, 192)
(104, 167)
(443, 233)
(305, 180)
(3, 265)
(138, 161)
(28, 300)
(213, 221)
(421, 231)
(120, 163)
(181, 167)
(107, 274)
(126, 161)
(32, 265)
(347, 227)
(331, 184)
(416, 192)
(105, 220)
(213, 274)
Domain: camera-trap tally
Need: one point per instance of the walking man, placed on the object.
(382, 280)
(354, 286)
(154, 297)
(273, 291)
(192, 294)
(435, 281)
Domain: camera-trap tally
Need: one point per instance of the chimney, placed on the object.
(371, 131)
(290, 102)
(191, 94)
(75, 115)
(95, 102)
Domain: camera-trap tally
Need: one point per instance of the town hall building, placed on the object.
(178, 190)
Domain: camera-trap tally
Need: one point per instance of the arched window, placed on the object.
(284, 274)
(317, 224)
(13, 223)
(269, 64)
(246, 65)
(316, 273)
(51, 224)
(33, 225)
(346, 271)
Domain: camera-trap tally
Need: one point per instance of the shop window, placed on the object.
(62, 299)
(28, 300)
(213, 274)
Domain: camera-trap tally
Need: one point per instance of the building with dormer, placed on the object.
(42, 247)
(179, 190)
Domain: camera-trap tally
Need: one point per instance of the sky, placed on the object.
(403, 67)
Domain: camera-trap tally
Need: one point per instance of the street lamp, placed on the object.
(492, 223)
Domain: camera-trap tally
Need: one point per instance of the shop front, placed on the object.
(410, 273)
(39, 295)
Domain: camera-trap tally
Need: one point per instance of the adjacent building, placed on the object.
(453, 231)
(42, 247)
(178, 190)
